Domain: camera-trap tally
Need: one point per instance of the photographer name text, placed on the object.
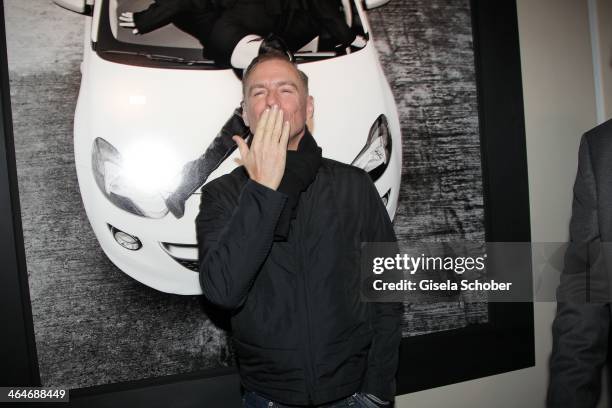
(430, 285)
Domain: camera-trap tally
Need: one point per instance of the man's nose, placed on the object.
(272, 99)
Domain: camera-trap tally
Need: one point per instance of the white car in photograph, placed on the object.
(151, 103)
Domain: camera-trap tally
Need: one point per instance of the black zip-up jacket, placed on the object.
(302, 335)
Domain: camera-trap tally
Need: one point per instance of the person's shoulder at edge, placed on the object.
(601, 133)
(598, 144)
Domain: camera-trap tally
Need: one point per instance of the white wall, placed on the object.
(559, 97)
(604, 31)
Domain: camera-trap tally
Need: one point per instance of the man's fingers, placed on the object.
(261, 125)
(242, 147)
(127, 21)
(284, 139)
(278, 127)
(268, 131)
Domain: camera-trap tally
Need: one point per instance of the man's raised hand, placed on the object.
(265, 159)
(126, 20)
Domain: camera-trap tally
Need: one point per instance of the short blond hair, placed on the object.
(269, 56)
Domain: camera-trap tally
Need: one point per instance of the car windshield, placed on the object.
(169, 47)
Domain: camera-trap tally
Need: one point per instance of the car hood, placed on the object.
(180, 111)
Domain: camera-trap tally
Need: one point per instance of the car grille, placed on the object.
(193, 265)
(184, 254)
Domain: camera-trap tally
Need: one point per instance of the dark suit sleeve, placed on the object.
(384, 351)
(580, 329)
(234, 243)
(328, 17)
(159, 14)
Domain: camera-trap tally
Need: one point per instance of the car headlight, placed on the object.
(137, 180)
(375, 155)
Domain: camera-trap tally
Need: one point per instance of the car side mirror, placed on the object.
(370, 4)
(78, 6)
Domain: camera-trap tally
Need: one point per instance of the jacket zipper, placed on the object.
(310, 361)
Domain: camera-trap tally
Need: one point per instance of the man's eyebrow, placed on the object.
(278, 84)
(291, 83)
(253, 87)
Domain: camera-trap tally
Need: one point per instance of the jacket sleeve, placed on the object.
(384, 351)
(159, 14)
(328, 16)
(580, 329)
(234, 242)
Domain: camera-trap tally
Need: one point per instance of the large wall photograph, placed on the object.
(94, 324)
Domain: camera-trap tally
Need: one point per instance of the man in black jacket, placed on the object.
(232, 31)
(280, 241)
(239, 32)
(582, 324)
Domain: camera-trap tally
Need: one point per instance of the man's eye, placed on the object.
(287, 90)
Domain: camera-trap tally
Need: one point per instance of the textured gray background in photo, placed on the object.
(426, 50)
(93, 324)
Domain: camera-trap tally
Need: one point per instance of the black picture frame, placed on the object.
(506, 342)
(503, 344)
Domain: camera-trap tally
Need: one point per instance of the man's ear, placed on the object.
(309, 107)
(244, 115)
